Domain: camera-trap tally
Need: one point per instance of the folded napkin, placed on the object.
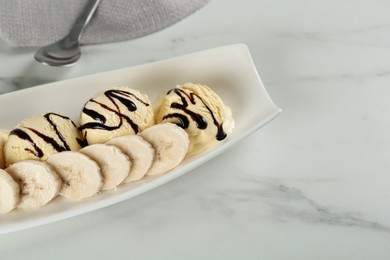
(40, 22)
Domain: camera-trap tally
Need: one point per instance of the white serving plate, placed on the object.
(229, 70)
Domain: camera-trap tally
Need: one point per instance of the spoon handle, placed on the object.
(83, 20)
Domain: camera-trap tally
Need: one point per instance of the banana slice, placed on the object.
(170, 143)
(140, 152)
(114, 164)
(81, 175)
(9, 192)
(38, 182)
(2, 158)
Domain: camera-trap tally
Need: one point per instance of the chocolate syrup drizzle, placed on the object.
(114, 94)
(200, 121)
(36, 150)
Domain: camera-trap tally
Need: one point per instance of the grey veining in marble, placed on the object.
(282, 202)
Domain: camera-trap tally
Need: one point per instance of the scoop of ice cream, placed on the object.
(115, 112)
(200, 111)
(39, 136)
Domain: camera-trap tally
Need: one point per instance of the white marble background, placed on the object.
(313, 184)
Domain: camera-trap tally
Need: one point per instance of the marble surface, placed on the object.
(313, 184)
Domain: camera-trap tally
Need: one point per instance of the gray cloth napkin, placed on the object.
(40, 22)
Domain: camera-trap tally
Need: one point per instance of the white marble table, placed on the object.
(313, 184)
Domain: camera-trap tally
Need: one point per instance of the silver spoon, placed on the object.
(66, 51)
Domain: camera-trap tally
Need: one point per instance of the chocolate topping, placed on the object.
(114, 95)
(37, 151)
(24, 136)
(200, 121)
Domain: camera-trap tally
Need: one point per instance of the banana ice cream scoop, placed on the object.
(200, 112)
(115, 112)
(39, 136)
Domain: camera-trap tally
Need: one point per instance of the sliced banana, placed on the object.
(114, 164)
(140, 152)
(9, 192)
(170, 143)
(81, 175)
(38, 183)
(2, 158)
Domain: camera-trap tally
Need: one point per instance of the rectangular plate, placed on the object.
(229, 70)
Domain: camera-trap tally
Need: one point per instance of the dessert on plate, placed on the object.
(200, 112)
(119, 139)
(115, 112)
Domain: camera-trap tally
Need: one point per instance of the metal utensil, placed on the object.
(67, 51)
